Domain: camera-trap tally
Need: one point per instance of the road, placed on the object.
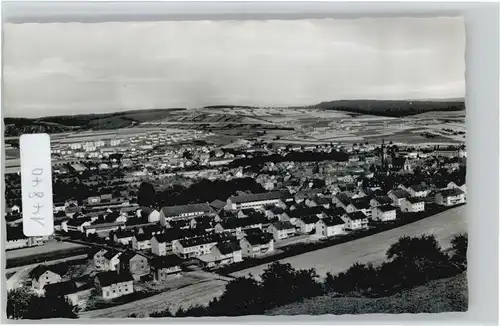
(49, 262)
(15, 280)
(340, 257)
(198, 293)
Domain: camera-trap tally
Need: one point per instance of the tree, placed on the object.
(146, 195)
(459, 250)
(241, 297)
(22, 303)
(415, 261)
(18, 301)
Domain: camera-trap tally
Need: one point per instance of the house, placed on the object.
(99, 261)
(384, 213)
(341, 200)
(243, 213)
(135, 264)
(223, 253)
(59, 206)
(360, 205)
(281, 230)
(141, 241)
(355, 221)
(43, 275)
(256, 244)
(417, 191)
(93, 200)
(16, 239)
(307, 224)
(413, 204)
(161, 244)
(112, 258)
(102, 228)
(77, 224)
(330, 226)
(149, 214)
(194, 247)
(75, 292)
(15, 209)
(112, 285)
(305, 211)
(217, 205)
(398, 196)
(319, 201)
(450, 197)
(184, 212)
(461, 185)
(380, 201)
(123, 236)
(257, 200)
(166, 267)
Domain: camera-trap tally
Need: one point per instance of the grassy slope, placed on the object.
(443, 295)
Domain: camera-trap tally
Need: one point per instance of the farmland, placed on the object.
(46, 248)
(436, 296)
(372, 248)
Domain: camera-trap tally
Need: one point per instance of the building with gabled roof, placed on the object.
(330, 226)
(450, 197)
(166, 267)
(257, 200)
(223, 253)
(398, 196)
(380, 201)
(413, 204)
(307, 223)
(141, 241)
(384, 213)
(133, 263)
(256, 243)
(112, 285)
(190, 211)
(281, 230)
(355, 221)
(43, 275)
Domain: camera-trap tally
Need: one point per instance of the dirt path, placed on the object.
(338, 258)
(199, 293)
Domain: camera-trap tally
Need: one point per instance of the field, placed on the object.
(372, 248)
(46, 248)
(187, 296)
(443, 295)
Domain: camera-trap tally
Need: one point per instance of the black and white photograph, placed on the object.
(207, 168)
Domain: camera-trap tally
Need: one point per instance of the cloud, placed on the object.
(76, 68)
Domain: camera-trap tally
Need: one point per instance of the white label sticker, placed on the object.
(36, 185)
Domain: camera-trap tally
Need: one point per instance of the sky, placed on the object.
(75, 68)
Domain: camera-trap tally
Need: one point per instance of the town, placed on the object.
(152, 210)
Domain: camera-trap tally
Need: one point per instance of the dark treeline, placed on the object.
(22, 303)
(410, 262)
(306, 156)
(202, 191)
(391, 108)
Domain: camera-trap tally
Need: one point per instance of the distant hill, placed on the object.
(444, 295)
(391, 108)
(65, 123)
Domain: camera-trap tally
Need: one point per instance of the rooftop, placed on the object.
(451, 192)
(108, 278)
(284, 225)
(332, 221)
(260, 197)
(184, 209)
